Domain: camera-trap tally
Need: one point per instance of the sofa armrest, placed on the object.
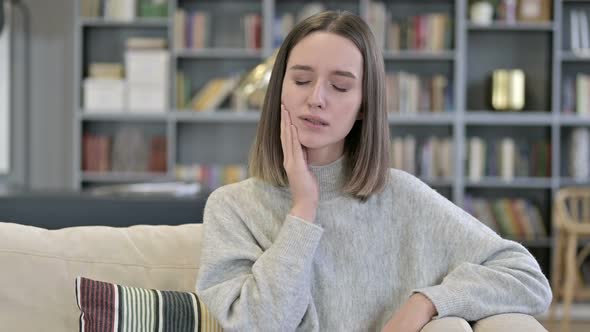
(447, 324)
(509, 322)
(496, 323)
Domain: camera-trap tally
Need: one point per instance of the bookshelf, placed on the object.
(543, 50)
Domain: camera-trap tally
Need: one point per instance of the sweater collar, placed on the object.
(330, 178)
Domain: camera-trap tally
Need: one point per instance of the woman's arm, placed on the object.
(486, 275)
(246, 287)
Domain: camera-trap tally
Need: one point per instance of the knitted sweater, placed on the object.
(358, 262)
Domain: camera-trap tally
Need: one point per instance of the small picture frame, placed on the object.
(534, 10)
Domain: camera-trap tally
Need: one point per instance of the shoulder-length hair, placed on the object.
(366, 147)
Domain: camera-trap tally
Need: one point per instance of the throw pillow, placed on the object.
(111, 307)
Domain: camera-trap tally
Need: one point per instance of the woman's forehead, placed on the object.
(324, 51)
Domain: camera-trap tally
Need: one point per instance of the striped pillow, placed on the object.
(114, 308)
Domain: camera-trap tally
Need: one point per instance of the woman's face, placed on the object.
(322, 89)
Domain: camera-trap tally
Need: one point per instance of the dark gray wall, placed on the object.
(47, 132)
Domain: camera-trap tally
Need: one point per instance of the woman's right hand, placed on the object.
(302, 182)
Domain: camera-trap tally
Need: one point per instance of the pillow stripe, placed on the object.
(108, 307)
(115, 322)
(198, 329)
(194, 311)
(120, 304)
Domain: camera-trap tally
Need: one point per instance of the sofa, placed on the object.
(39, 268)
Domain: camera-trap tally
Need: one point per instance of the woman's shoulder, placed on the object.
(248, 189)
(402, 179)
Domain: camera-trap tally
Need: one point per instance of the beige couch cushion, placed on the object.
(39, 267)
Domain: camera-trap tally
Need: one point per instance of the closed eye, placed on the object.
(335, 87)
(339, 89)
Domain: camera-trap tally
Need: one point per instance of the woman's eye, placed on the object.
(339, 89)
(301, 82)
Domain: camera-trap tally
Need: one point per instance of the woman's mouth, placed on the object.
(314, 122)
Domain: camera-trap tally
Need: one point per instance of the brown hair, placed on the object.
(366, 147)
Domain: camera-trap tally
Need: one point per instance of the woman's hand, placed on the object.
(303, 184)
(412, 316)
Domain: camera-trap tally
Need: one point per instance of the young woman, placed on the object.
(325, 236)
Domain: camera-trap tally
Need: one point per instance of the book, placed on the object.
(476, 158)
(96, 153)
(575, 31)
(106, 70)
(584, 42)
(158, 156)
(145, 43)
(180, 23)
(214, 93)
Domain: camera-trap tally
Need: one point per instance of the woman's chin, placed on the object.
(310, 145)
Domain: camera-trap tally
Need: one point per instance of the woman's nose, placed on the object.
(317, 98)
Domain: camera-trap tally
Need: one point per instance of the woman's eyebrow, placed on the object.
(335, 72)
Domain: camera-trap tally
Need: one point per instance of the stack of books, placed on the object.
(104, 88)
(147, 63)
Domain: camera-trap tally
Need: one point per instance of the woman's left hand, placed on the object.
(412, 316)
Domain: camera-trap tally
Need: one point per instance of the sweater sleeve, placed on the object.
(482, 274)
(247, 287)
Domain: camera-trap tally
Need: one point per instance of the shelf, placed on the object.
(569, 56)
(121, 116)
(222, 116)
(519, 26)
(517, 182)
(419, 56)
(425, 118)
(139, 23)
(522, 118)
(221, 53)
(121, 177)
(569, 181)
(574, 120)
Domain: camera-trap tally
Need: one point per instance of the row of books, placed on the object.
(128, 151)
(515, 218)
(507, 158)
(212, 176)
(431, 157)
(579, 153)
(412, 93)
(126, 10)
(575, 98)
(430, 32)
(192, 30)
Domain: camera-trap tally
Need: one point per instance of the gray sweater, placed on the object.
(265, 270)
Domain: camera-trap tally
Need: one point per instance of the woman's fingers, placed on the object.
(287, 150)
(283, 135)
(297, 149)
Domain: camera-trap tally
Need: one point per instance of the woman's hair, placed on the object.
(366, 147)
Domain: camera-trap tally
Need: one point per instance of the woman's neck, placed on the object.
(324, 156)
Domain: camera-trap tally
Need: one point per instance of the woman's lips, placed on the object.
(313, 122)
